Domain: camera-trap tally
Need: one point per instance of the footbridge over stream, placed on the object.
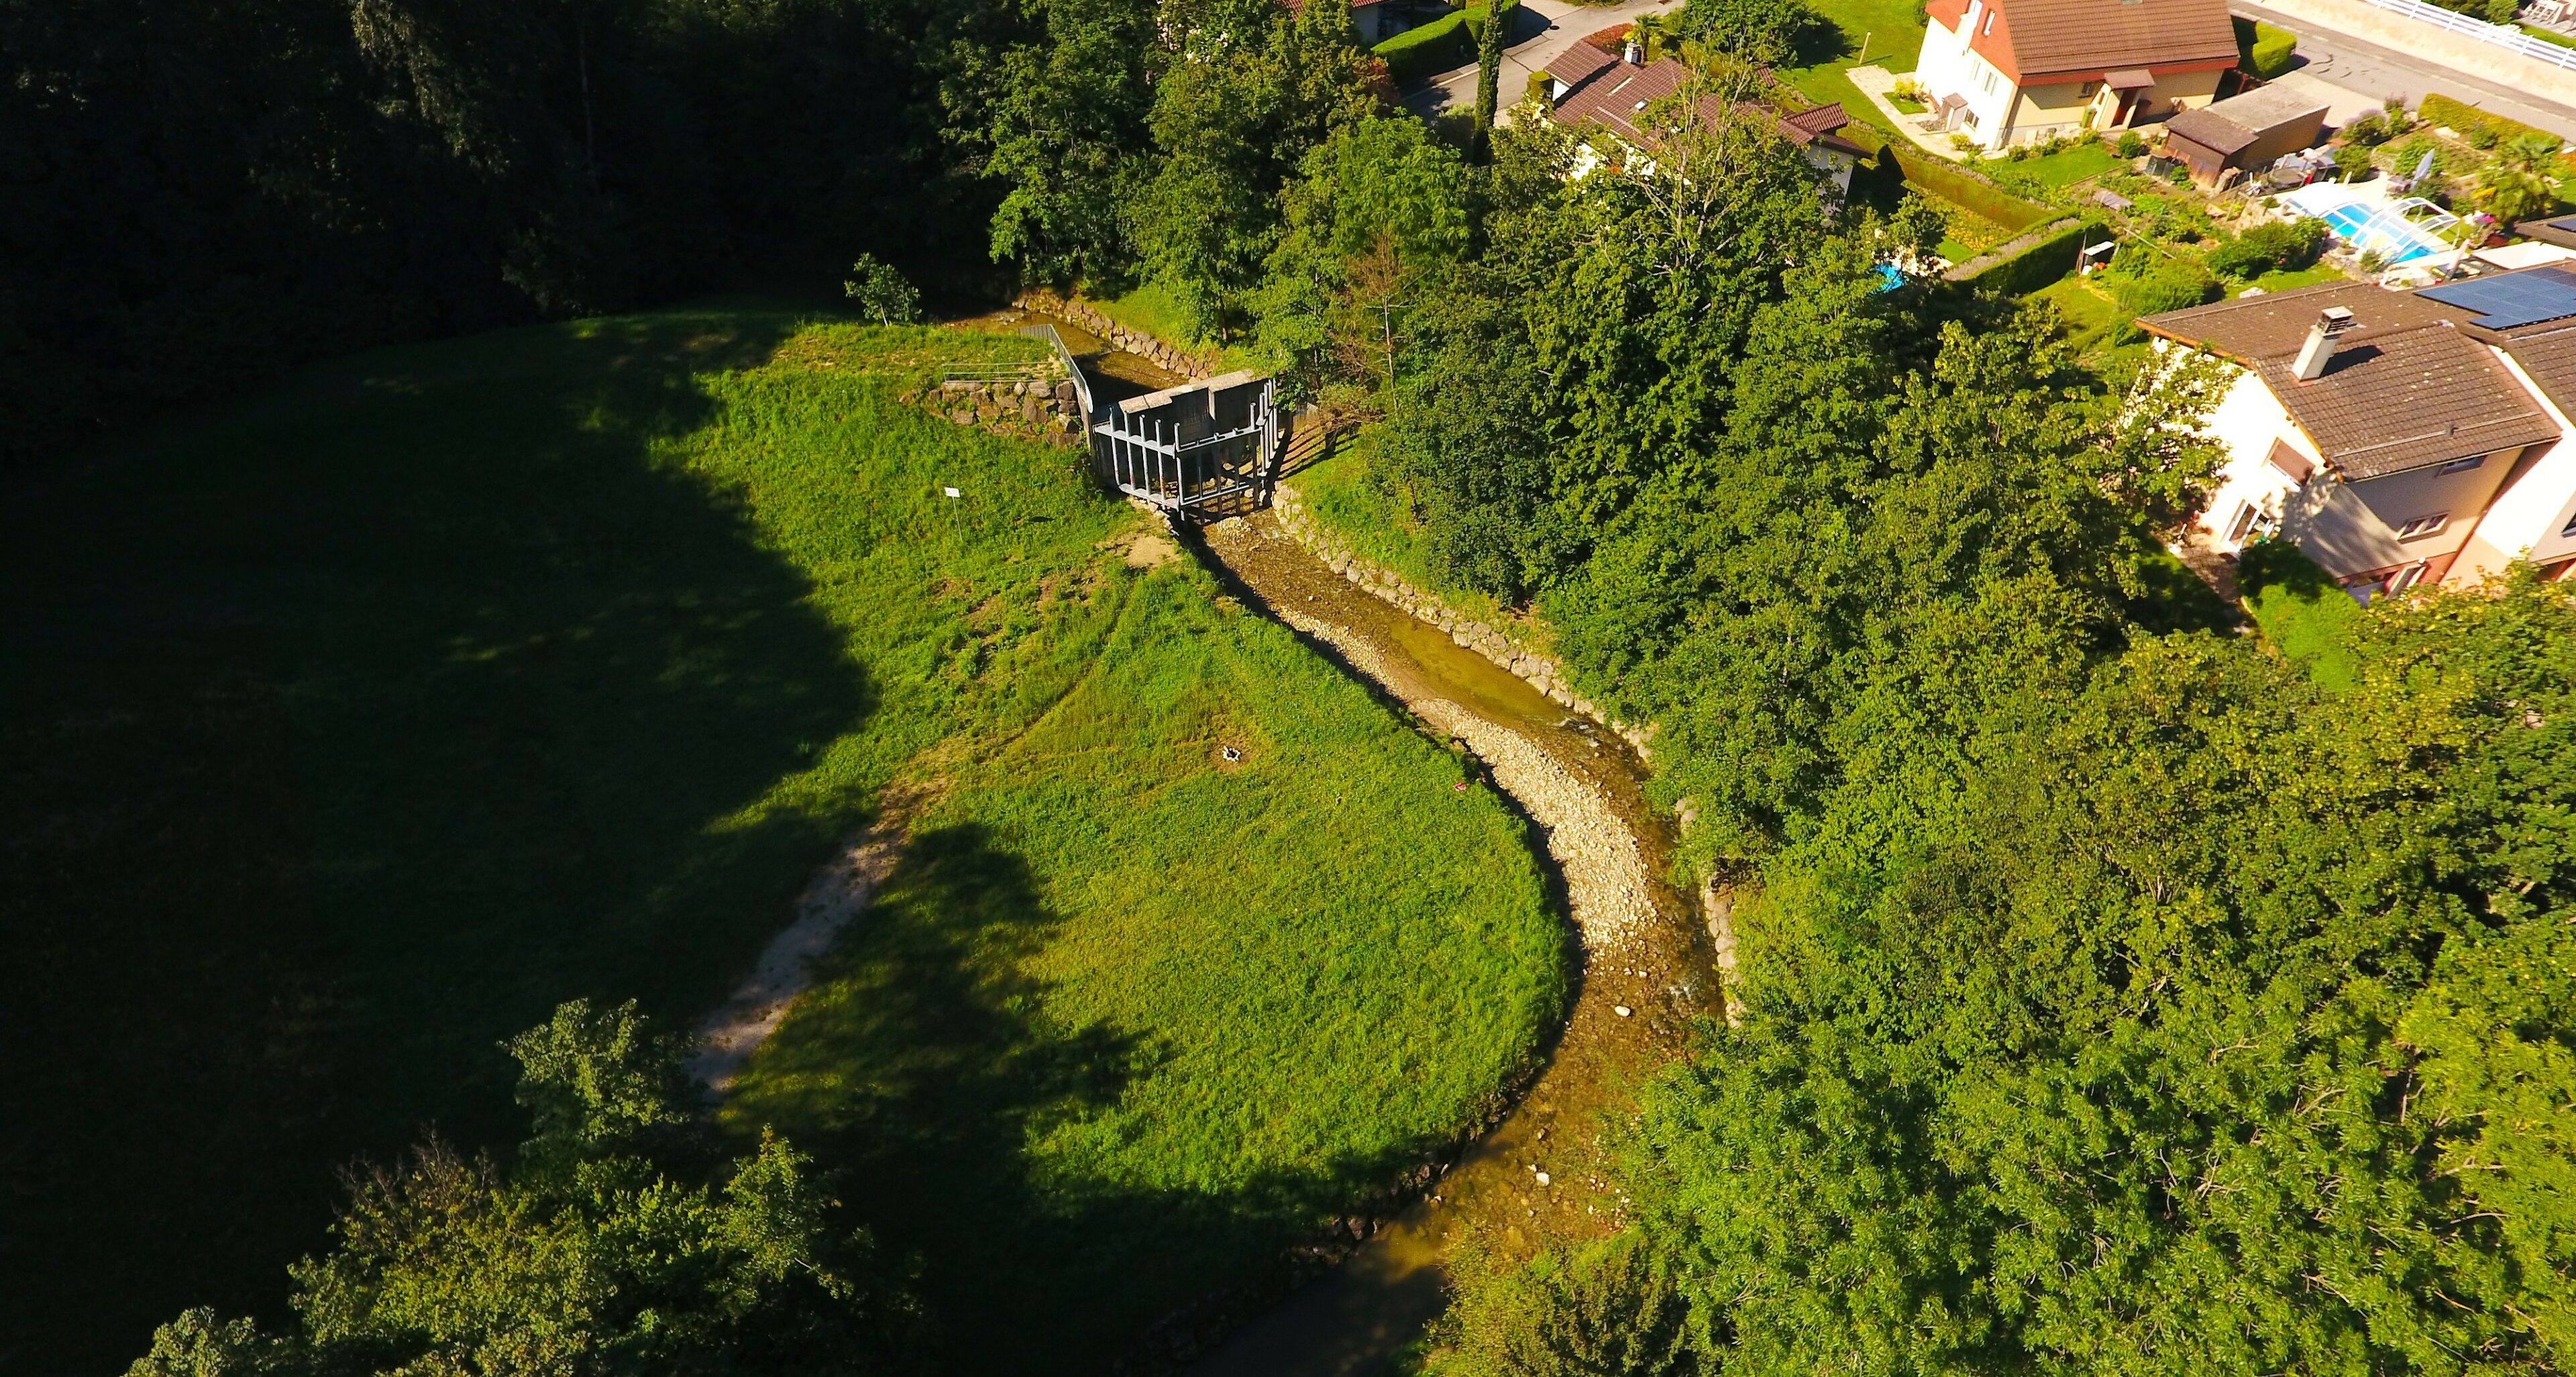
(1201, 450)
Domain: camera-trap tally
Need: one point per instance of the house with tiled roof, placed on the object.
(1596, 90)
(2004, 72)
(2397, 438)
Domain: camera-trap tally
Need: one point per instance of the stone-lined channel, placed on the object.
(1644, 974)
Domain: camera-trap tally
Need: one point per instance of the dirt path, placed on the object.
(1539, 1178)
(840, 893)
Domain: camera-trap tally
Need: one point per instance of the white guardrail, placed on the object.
(2501, 35)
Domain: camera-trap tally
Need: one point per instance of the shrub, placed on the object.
(2367, 130)
(2353, 161)
(2148, 283)
(2264, 50)
(2481, 129)
(1443, 43)
(1787, 32)
(2280, 244)
(2132, 144)
(882, 294)
(2042, 263)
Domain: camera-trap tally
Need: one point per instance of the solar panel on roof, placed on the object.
(2511, 299)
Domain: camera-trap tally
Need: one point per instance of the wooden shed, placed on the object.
(2244, 132)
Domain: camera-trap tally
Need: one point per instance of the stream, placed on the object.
(1538, 1178)
(1644, 971)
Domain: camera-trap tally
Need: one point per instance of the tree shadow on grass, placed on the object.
(346, 732)
(920, 1069)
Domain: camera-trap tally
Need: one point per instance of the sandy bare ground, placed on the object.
(838, 894)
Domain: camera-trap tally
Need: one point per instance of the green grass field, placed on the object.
(350, 728)
(1884, 33)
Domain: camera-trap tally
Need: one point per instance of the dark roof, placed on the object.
(2507, 301)
(1580, 62)
(2405, 387)
(1619, 92)
(2220, 136)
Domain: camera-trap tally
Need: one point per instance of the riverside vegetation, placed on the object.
(357, 725)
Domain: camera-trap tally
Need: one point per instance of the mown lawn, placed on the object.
(1892, 31)
(349, 729)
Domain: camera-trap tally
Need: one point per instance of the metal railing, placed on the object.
(2502, 35)
(1034, 371)
(1064, 360)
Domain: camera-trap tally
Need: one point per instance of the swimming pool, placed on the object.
(2399, 231)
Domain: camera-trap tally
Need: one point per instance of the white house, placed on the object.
(2396, 437)
(2014, 71)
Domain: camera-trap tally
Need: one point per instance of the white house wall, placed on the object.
(2530, 514)
(1947, 66)
(2246, 422)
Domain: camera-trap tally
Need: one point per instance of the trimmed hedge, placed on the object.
(2262, 49)
(1446, 42)
(1972, 192)
(2042, 263)
(2465, 120)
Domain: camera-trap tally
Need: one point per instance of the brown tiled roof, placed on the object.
(2548, 353)
(2404, 388)
(2036, 41)
(1620, 92)
(2223, 137)
(1580, 62)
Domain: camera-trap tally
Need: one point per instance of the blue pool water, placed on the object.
(2374, 227)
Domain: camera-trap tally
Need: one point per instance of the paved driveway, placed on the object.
(1532, 49)
(2380, 72)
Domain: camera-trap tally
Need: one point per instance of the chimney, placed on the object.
(2332, 321)
(1632, 54)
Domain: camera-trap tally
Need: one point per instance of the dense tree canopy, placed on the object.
(622, 1243)
(197, 194)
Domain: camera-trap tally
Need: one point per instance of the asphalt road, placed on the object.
(2381, 72)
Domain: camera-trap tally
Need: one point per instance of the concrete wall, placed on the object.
(2450, 49)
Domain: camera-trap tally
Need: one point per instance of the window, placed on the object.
(2570, 532)
(2243, 523)
(2423, 526)
(2462, 465)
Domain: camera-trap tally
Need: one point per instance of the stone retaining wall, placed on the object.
(1137, 342)
(1541, 672)
(1029, 409)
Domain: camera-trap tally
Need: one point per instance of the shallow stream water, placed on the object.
(1644, 974)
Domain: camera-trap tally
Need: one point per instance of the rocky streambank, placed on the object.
(1541, 1176)
(1038, 408)
(1514, 656)
(1163, 354)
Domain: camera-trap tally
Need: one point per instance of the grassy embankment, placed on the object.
(351, 728)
